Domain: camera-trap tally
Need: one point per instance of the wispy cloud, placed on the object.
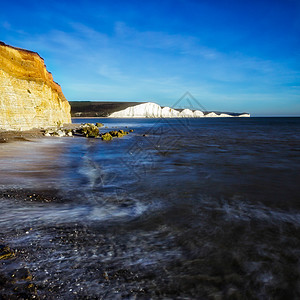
(184, 45)
(111, 72)
(6, 25)
(134, 64)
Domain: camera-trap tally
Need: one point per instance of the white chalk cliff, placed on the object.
(153, 110)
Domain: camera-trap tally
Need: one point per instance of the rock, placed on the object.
(123, 132)
(25, 291)
(6, 252)
(22, 274)
(60, 133)
(68, 132)
(118, 133)
(131, 130)
(29, 97)
(89, 130)
(114, 133)
(31, 287)
(15, 280)
(99, 124)
(106, 136)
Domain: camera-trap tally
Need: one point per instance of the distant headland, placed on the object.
(100, 109)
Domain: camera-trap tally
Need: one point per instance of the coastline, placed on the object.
(10, 136)
(139, 117)
(27, 135)
(79, 223)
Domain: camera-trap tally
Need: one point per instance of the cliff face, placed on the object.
(29, 97)
(153, 110)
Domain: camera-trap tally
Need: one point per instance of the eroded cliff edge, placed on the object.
(29, 98)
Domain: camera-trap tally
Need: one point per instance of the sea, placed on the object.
(205, 208)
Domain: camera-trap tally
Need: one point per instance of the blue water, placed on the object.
(177, 209)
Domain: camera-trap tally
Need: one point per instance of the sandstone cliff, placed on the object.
(29, 98)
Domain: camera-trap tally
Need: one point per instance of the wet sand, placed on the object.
(27, 135)
(16, 280)
(10, 136)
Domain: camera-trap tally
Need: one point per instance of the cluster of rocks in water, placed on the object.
(87, 130)
(15, 279)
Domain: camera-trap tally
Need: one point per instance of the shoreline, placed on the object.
(88, 219)
(11, 136)
(87, 130)
(139, 117)
(27, 135)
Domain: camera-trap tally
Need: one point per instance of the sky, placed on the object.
(231, 55)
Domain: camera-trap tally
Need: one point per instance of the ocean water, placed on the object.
(177, 209)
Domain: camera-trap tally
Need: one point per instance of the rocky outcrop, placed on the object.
(29, 98)
(153, 110)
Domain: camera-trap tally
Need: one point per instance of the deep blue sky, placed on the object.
(230, 55)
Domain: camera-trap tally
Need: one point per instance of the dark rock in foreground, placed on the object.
(6, 252)
(15, 280)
